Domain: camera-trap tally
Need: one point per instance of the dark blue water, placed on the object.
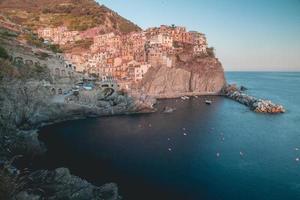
(133, 151)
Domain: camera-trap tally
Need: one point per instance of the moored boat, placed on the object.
(208, 102)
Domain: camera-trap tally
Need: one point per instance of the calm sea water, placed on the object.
(150, 157)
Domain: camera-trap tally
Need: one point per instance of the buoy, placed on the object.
(297, 159)
(169, 149)
(241, 153)
(296, 149)
(169, 139)
(218, 154)
(184, 134)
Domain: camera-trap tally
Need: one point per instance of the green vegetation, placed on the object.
(85, 44)
(77, 15)
(211, 52)
(7, 34)
(7, 71)
(23, 72)
(3, 53)
(55, 48)
(42, 55)
(125, 27)
(10, 184)
(34, 40)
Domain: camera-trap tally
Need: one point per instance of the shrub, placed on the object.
(10, 183)
(55, 48)
(85, 44)
(32, 39)
(6, 34)
(7, 71)
(211, 51)
(3, 53)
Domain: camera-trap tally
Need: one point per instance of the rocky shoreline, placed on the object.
(255, 104)
(59, 184)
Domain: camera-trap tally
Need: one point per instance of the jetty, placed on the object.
(255, 104)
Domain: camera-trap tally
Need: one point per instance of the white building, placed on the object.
(166, 61)
(200, 49)
(162, 39)
(140, 71)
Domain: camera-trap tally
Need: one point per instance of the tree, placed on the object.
(211, 51)
(3, 53)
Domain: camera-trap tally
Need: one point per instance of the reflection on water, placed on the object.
(174, 156)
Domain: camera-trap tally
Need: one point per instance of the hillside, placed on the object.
(77, 15)
(94, 39)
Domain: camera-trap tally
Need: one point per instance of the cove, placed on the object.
(150, 157)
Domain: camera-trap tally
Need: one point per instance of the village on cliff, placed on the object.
(124, 58)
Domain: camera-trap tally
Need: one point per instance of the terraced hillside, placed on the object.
(77, 15)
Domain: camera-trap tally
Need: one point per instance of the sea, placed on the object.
(222, 151)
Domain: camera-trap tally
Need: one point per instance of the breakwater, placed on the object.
(255, 104)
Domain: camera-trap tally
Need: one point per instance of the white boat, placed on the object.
(208, 102)
(87, 87)
(168, 109)
(185, 97)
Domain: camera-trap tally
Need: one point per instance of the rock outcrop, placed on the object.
(190, 75)
(60, 184)
(255, 104)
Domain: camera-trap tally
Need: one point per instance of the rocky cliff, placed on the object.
(190, 75)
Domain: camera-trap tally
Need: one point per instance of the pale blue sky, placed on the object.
(247, 34)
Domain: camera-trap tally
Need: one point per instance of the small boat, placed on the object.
(218, 154)
(208, 102)
(241, 153)
(185, 97)
(169, 149)
(184, 134)
(297, 159)
(168, 109)
(296, 149)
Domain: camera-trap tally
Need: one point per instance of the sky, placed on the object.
(248, 35)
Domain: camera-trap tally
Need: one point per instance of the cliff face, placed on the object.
(190, 75)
